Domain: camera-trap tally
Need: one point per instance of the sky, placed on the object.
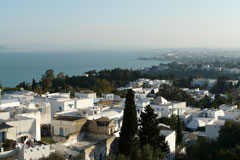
(120, 23)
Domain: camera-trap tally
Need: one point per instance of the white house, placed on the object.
(113, 114)
(21, 128)
(165, 108)
(108, 96)
(4, 103)
(212, 130)
(200, 82)
(170, 138)
(214, 113)
(196, 93)
(21, 96)
(233, 114)
(84, 103)
(226, 107)
(62, 102)
(86, 94)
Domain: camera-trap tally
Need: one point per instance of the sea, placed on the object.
(16, 67)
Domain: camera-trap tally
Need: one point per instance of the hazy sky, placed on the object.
(127, 23)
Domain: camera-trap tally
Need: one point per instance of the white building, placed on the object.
(34, 152)
(108, 96)
(212, 130)
(232, 82)
(196, 93)
(5, 103)
(205, 67)
(214, 113)
(165, 108)
(86, 94)
(141, 104)
(196, 123)
(62, 102)
(21, 127)
(170, 138)
(226, 107)
(21, 96)
(232, 114)
(201, 82)
(115, 115)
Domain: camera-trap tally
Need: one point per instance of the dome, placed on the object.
(194, 124)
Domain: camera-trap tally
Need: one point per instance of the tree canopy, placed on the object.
(149, 132)
(227, 145)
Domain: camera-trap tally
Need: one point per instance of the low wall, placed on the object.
(6, 154)
(34, 152)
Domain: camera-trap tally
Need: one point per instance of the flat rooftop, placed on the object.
(86, 91)
(68, 118)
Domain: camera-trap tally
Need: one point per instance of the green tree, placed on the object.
(34, 85)
(226, 146)
(129, 127)
(60, 75)
(148, 130)
(46, 81)
(147, 152)
(179, 135)
(24, 86)
(221, 86)
(1, 86)
(203, 149)
(171, 121)
(150, 153)
(152, 91)
(103, 86)
(49, 74)
(175, 94)
(229, 136)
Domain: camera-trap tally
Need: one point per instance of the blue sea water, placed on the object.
(16, 67)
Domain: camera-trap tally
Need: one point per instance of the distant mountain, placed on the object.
(3, 47)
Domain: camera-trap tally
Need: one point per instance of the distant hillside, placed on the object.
(3, 47)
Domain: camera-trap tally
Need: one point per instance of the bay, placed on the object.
(16, 67)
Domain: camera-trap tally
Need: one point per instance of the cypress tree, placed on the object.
(34, 85)
(23, 85)
(179, 135)
(129, 127)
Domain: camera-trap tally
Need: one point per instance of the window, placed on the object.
(52, 130)
(70, 105)
(40, 109)
(61, 132)
(84, 112)
(2, 136)
(60, 109)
